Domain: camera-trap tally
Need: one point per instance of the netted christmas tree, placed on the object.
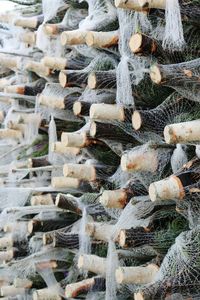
(100, 150)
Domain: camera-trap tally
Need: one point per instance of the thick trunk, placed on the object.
(111, 132)
(10, 134)
(77, 288)
(156, 119)
(111, 112)
(81, 108)
(119, 198)
(28, 38)
(102, 80)
(183, 77)
(88, 172)
(11, 290)
(29, 90)
(147, 161)
(46, 294)
(136, 275)
(49, 225)
(68, 78)
(65, 202)
(73, 37)
(58, 147)
(69, 183)
(92, 263)
(38, 68)
(102, 39)
(183, 133)
(45, 199)
(38, 162)
(69, 240)
(135, 237)
(100, 231)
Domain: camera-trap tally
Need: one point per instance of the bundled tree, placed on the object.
(99, 150)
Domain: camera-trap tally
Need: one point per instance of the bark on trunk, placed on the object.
(110, 112)
(65, 202)
(102, 80)
(68, 78)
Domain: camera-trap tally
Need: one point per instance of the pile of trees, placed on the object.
(100, 150)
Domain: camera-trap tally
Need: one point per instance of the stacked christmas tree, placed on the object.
(100, 150)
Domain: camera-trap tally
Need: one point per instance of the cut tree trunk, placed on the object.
(183, 133)
(73, 37)
(140, 161)
(102, 39)
(136, 275)
(29, 22)
(77, 288)
(65, 202)
(92, 263)
(110, 112)
(81, 108)
(102, 80)
(68, 78)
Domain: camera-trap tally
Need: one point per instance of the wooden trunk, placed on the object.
(102, 80)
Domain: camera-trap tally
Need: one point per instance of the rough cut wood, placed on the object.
(81, 108)
(74, 139)
(68, 240)
(102, 80)
(55, 63)
(10, 134)
(29, 22)
(116, 198)
(38, 68)
(143, 44)
(49, 225)
(59, 102)
(135, 237)
(46, 199)
(108, 131)
(69, 183)
(140, 4)
(74, 289)
(6, 255)
(38, 162)
(140, 161)
(183, 133)
(64, 201)
(102, 39)
(100, 231)
(177, 74)
(9, 62)
(27, 89)
(22, 283)
(136, 275)
(166, 189)
(59, 147)
(28, 38)
(69, 78)
(81, 171)
(11, 290)
(92, 263)
(46, 294)
(73, 37)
